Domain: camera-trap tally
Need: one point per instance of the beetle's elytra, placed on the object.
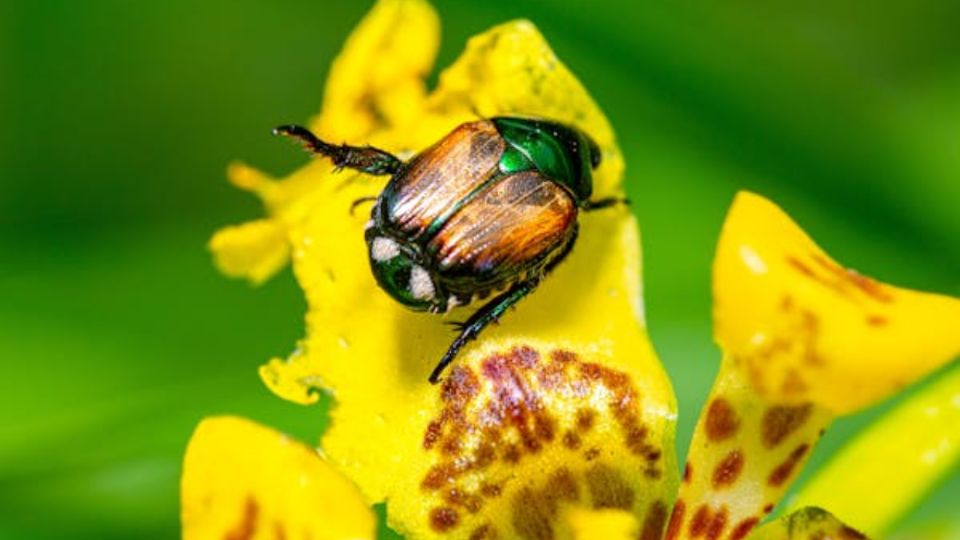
(490, 208)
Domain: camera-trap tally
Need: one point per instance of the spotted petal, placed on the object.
(744, 455)
(563, 405)
(805, 329)
(803, 340)
(242, 480)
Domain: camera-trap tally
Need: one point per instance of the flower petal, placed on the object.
(911, 448)
(805, 524)
(745, 454)
(378, 78)
(609, 524)
(242, 480)
(805, 329)
(254, 250)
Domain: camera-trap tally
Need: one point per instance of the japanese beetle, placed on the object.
(490, 208)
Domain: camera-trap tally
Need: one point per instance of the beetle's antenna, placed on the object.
(364, 159)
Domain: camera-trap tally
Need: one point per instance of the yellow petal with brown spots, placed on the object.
(244, 481)
(888, 468)
(744, 455)
(563, 404)
(809, 523)
(805, 329)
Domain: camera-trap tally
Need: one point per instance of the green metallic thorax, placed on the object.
(563, 154)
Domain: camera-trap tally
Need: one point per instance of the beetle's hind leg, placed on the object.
(490, 312)
(365, 159)
(606, 202)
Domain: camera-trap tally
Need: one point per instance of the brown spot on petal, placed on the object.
(743, 528)
(676, 520)
(717, 524)
(722, 421)
(687, 473)
(780, 421)
(490, 491)
(484, 532)
(877, 320)
(245, 529)
(534, 511)
(768, 508)
(434, 431)
(585, 419)
(701, 519)
(511, 453)
(728, 469)
(801, 266)
(591, 454)
(608, 488)
(571, 440)
(443, 519)
(866, 285)
(468, 501)
(793, 383)
(438, 476)
(654, 521)
(708, 524)
(785, 469)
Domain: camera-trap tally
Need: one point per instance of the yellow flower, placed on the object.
(559, 422)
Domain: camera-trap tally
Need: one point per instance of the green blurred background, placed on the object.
(117, 335)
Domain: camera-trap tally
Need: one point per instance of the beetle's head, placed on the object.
(398, 272)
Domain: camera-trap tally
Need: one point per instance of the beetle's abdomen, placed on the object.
(514, 226)
(439, 180)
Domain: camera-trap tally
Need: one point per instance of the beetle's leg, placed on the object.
(604, 203)
(358, 202)
(490, 312)
(365, 159)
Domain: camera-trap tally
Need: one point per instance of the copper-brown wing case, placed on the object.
(436, 181)
(515, 225)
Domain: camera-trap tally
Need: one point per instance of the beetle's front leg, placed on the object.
(604, 203)
(490, 312)
(365, 159)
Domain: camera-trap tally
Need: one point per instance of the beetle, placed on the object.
(490, 209)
